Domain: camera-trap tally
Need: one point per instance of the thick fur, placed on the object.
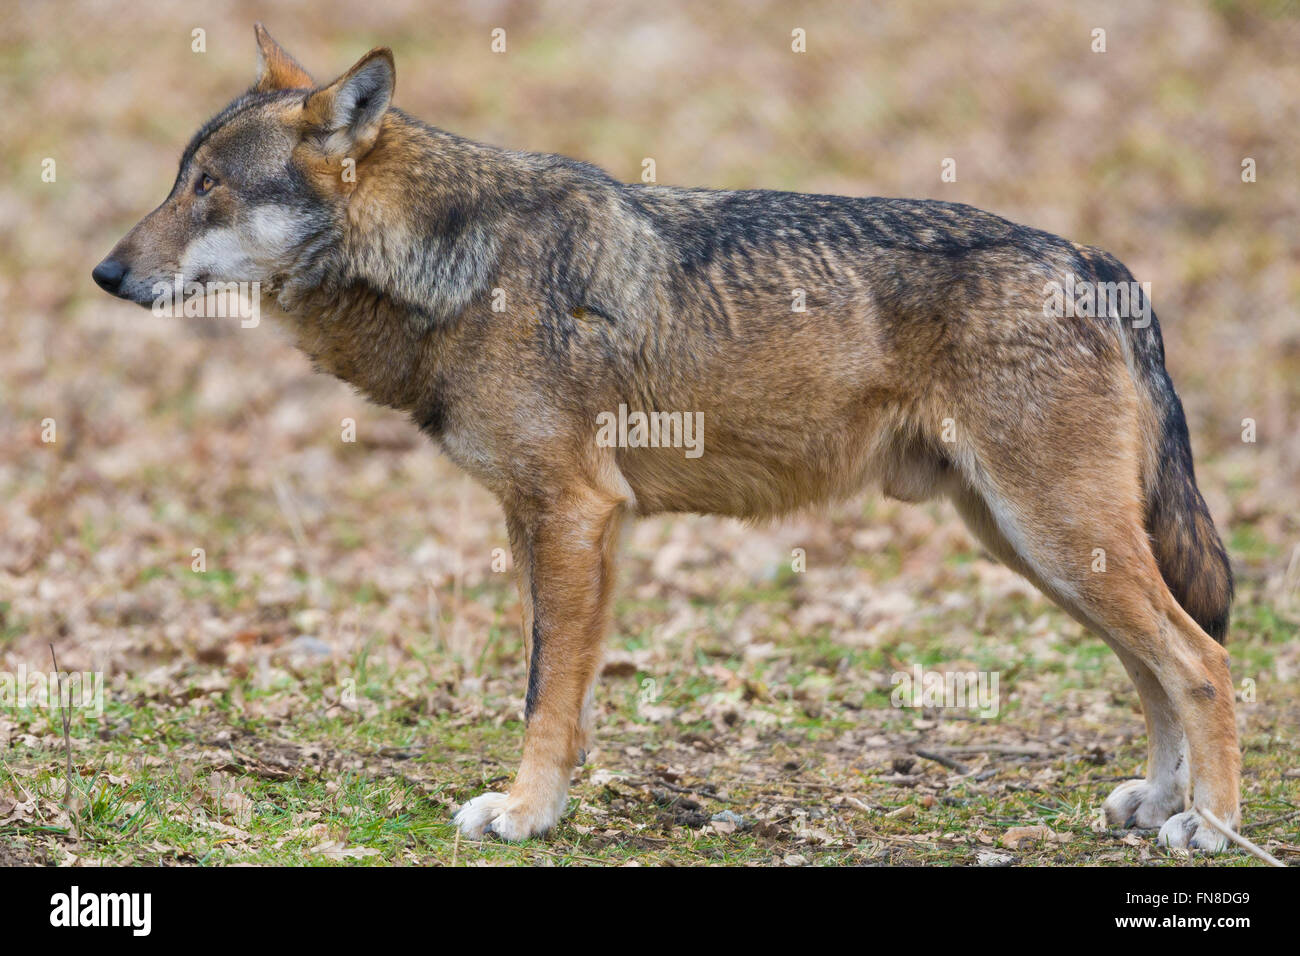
(507, 299)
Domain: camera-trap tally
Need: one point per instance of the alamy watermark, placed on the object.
(1080, 298)
(242, 300)
(133, 911)
(651, 430)
(969, 690)
(78, 690)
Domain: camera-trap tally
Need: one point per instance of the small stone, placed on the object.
(729, 816)
(310, 645)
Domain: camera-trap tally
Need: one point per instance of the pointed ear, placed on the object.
(276, 69)
(350, 110)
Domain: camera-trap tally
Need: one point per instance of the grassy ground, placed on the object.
(261, 752)
(346, 668)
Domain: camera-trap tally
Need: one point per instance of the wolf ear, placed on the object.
(350, 110)
(276, 69)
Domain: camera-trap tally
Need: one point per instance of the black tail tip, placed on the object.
(1218, 629)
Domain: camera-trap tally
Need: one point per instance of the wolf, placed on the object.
(511, 301)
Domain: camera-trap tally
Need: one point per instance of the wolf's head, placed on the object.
(263, 186)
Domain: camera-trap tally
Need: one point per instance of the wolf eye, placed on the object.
(204, 185)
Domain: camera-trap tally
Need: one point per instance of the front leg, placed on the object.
(564, 554)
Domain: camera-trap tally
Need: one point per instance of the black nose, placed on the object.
(108, 275)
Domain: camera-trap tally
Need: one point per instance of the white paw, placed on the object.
(492, 814)
(476, 815)
(1139, 803)
(1187, 831)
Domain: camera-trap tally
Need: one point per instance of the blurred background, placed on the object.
(176, 435)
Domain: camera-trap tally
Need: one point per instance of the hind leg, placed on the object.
(1149, 802)
(1161, 645)
(1146, 803)
(1144, 623)
(1196, 677)
(1180, 671)
(1054, 435)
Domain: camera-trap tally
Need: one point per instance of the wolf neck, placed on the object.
(411, 252)
(435, 224)
(418, 228)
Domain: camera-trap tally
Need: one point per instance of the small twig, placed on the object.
(1238, 839)
(1004, 750)
(1268, 823)
(942, 760)
(906, 841)
(67, 740)
(289, 509)
(792, 784)
(685, 791)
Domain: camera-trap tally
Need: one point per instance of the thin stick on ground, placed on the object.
(943, 760)
(67, 740)
(1238, 839)
(1002, 750)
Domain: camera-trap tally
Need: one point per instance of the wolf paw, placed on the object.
(491, 814)
(1139, 803)
(1187, 831)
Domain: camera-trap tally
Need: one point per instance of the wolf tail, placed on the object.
(1187, 546)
